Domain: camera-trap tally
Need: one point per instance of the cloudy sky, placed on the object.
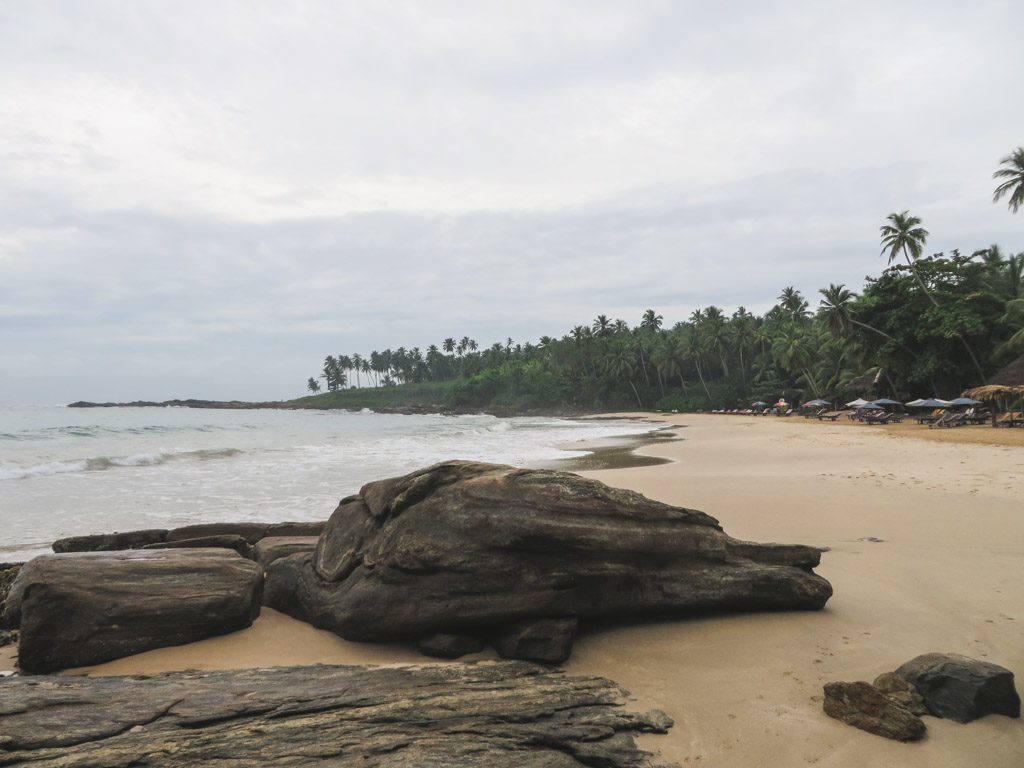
(203, 199)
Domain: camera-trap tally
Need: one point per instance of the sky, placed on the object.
(206, 198)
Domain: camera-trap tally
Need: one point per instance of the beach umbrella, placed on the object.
(965, 401)
(931, 402)
(915, 403)
(815, 403)
(857, 403)
(758, 404)
(885, 401)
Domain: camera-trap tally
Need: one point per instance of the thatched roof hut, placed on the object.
(1009, 382)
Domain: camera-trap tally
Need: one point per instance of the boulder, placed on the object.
(961, 688)
(445, 646)
(283, 582)
(900, 691)
(223, 541)
(467, 548)
(863, 706)
(545, 640)
(495, 715)
(271, 548)
(86, 608)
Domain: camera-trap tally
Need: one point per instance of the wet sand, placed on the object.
(926, 553)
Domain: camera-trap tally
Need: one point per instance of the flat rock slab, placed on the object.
(491, 715)
(86, 608)
(251, 532)
(961, 688)
(273, 548)
(467, 548)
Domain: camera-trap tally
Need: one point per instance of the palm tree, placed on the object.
(601, 326)
(651, 320)
(836, 310)
(905, 233)
(313, 385)
(1014, 175)
(794, 304)
(792, 350)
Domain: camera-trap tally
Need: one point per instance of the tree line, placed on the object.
(927, 325)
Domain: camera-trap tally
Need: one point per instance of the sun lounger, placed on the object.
(830, 415)
(932, 417)
(950, 420)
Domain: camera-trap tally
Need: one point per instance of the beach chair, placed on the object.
(932, 417)
(830, 415)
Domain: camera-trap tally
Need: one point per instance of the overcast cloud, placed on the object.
(203, 199)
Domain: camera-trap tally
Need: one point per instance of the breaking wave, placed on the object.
(100, 463)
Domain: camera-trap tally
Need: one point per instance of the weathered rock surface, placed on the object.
(8, 572)
(961, 688)
(863, 706)
(251, 532)
(467, 548)
(282, 581)
(902, 692)
(86, 608)
(273, 548)
(445, 646)
(504, 715)
(224, 541)
(108, 542)
(546, 640)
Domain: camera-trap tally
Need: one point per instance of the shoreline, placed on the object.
(925, 550)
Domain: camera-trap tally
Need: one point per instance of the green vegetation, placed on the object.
(928, 325)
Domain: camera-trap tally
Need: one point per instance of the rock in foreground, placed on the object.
(961, 688)
(863, 706)
(474, 549)
(87, 608)
(504, 715)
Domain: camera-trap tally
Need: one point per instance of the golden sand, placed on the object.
(925, 538)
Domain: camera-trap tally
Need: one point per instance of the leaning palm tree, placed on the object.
(836, 310)
(1014, 175)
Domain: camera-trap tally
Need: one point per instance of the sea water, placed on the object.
(69, 471)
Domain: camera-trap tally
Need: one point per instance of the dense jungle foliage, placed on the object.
(927, 326)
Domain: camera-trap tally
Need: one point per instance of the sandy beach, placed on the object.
(925, 539)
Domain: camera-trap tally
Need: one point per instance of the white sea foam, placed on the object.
(164, 467)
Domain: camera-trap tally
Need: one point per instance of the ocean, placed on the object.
(70, 471)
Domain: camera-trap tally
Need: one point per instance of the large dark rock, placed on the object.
(503, 715)
(444, 646)
(467, 548)
(86, 608)
(545, 640)
(251, 532)
(863, 706)
(283, 581)
(961, 688)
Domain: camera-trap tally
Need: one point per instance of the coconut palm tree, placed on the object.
(313, 385)
(1014, 175)
(905, 233)
(793, 351)
(794, 304)
(651, 320)
(602, 326)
